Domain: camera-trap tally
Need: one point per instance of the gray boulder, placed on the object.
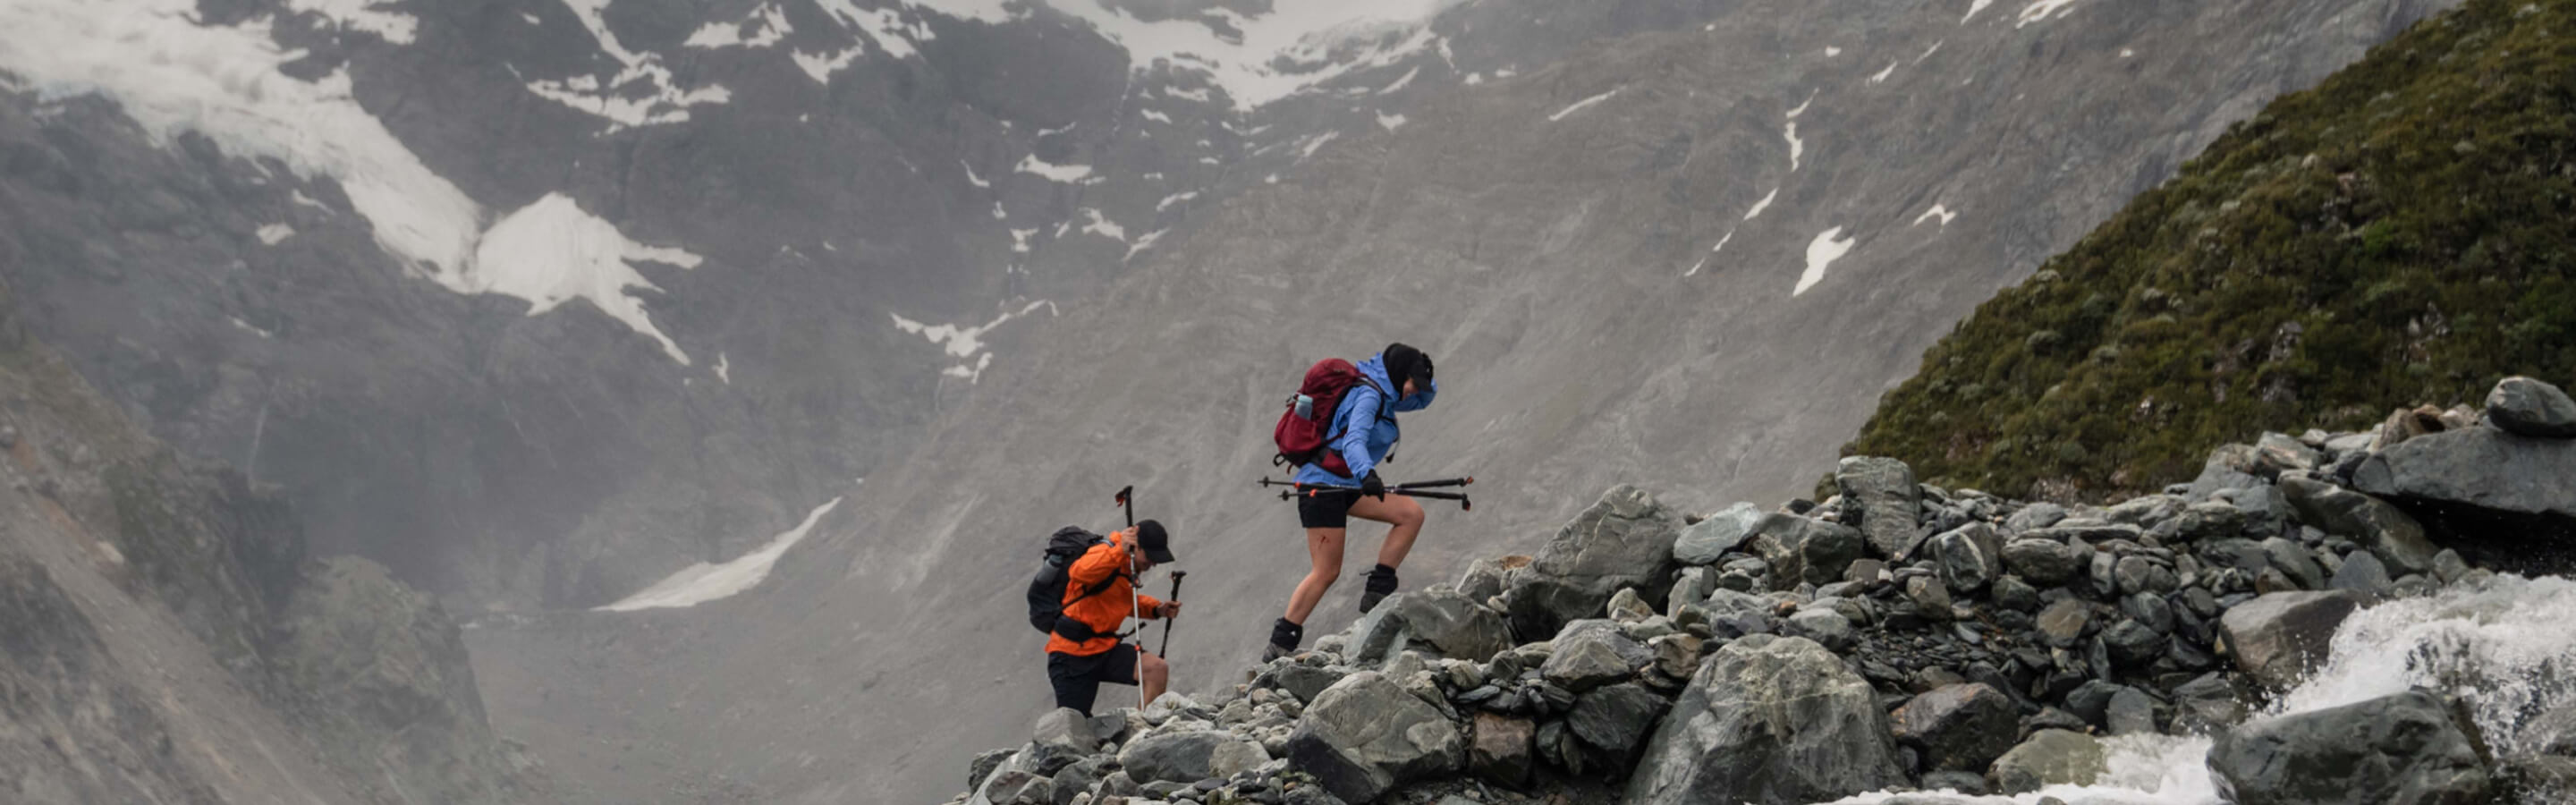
(1592, 653)
(1616, 718)
(2405, 749)
(1703, 542)
(2130, 712)
(1882, 500)
(1770, 721)
(2276, 637)
(2049, 757)
(1189, 756)
(1801, 550)
(1970, 557)
(1824, 626)
(1624, 540)
(1438, 622)
(2479, 467)
(2034, 516)
(1059, 738)
(1958, 727)
(2229, 467)
(2370, 522)
(1015, 787)
(1365, 734)
(1488, 577)
(2362, 573)
(2065, 624)
(1501, 748)
(2044, 562)
(2530, 407)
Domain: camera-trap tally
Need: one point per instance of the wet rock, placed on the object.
(1770, 721)
(2362, 573)
(2044, 562)
(2274, 638)
(1624, 540)
(1881, 499)
(2397, 750)
(2206, 704)
(2293, 560)
(2478, 468)
(2049, 757)
(1958, 727)
(2388, 532)
(1970, 557)
(1501, 750)
(2131, 712)
(1365, 734)
(2528, 407)
(2132, 644)
(1703, 543)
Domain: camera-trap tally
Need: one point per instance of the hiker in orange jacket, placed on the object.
(1099, 596)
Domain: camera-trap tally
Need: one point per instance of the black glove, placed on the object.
(1373, 486)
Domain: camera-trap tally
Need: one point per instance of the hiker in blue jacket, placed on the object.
(1365, 424)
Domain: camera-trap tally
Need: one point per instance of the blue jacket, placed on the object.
(1365, 436)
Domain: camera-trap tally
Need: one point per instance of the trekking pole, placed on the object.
(1299, 490)
(1135, 601)
(1166, 652)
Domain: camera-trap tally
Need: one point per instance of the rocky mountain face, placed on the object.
(1913, 644)
(169, 640)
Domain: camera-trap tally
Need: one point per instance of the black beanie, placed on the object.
(1154, 541)
(1406, 363)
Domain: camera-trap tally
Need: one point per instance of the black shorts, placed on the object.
(1325, 511)
(1077, 679)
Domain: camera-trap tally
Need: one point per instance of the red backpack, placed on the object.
(1301, 432)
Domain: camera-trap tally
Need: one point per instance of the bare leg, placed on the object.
(1396, 510)
(1324, 549)
(1157, 677)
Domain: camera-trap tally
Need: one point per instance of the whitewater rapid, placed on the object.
(2501, 643)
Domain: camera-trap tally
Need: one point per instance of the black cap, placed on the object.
(1156, 544)
(1403, 363)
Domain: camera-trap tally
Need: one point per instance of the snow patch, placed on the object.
(1927, 52)
(272, 233)
(1797, 148)
(1831, 51)
(1937, 211)
(1390, 122)
(1802, 107)
(551, 252)
(2128, 53)
(250, 328)
(1290, 49)
(971, 178)
(1882, 75)
(1143, 243)
(173, 75)
(1475, 78)
(1712, 252)
(1157, 117)
(1401, 82)
(1102, 226)
(1307, 148)
(724, 368)
(1068, 174)
(1581, 105)
(1822, 252)
(963, 342)
(1764, 204)
(364, 15)
(883, 26)
(1020, 240)
(619, 100)
(2042, 10)
(1199, 94)
(1974, 7)
(998, 213)
(768, 25)
(822, 67)
(703, 582)
(1174, 198)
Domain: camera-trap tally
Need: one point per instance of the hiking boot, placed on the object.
(1284, 638)
(1381, 583)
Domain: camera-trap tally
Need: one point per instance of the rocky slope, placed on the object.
(2397, 234)
(1554, 236)
(168, 639)
(1900, 636)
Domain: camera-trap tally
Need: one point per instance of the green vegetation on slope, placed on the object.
(2400, 234)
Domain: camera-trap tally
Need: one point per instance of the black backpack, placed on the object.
(1046, 592)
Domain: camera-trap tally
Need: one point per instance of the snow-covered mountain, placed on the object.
(557, 304)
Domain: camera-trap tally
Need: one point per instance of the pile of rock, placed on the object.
(1896, 635)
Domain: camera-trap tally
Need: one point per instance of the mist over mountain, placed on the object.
(818, 314)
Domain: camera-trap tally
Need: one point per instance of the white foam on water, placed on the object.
(364, 15)
(703, 582)
(616, 100)
(1828, 247)
(2501, 644)
(1581, 105)
(551, 252)
(1068, 174)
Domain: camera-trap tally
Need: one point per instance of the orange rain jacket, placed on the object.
(1106, 610)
